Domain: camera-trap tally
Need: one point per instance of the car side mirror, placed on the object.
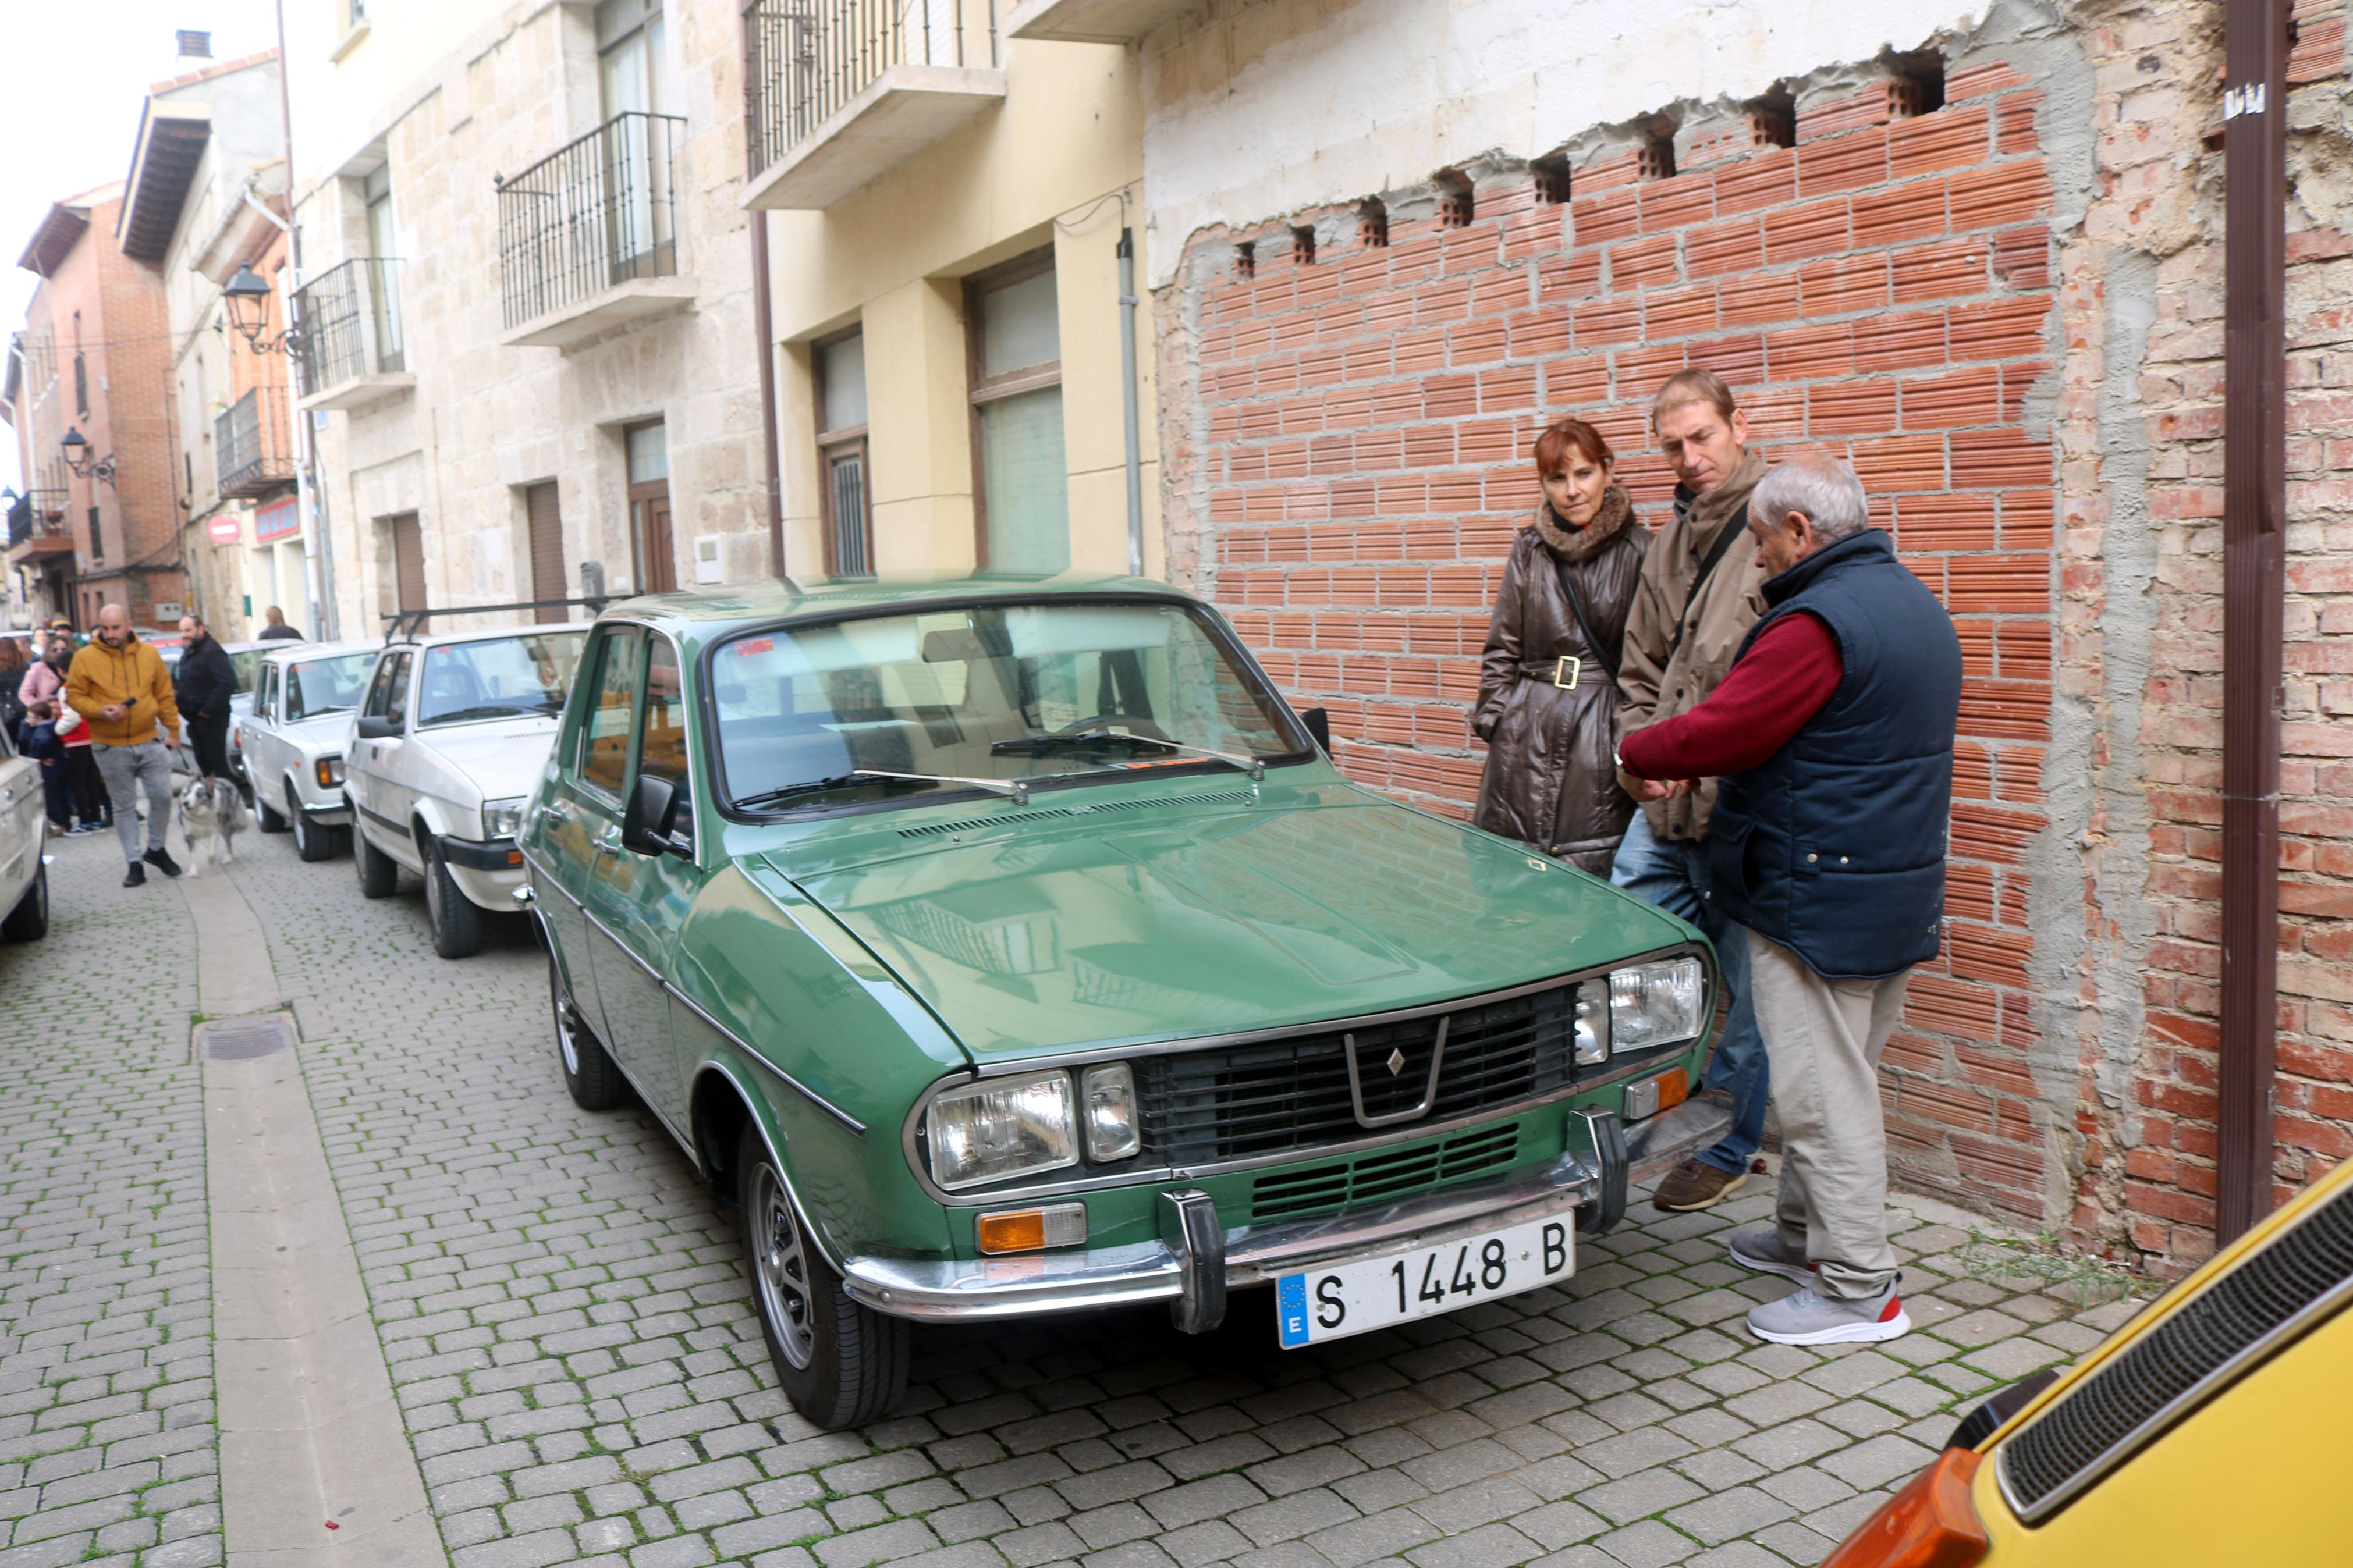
(379, 727)
(649, 820)
(1319, 724)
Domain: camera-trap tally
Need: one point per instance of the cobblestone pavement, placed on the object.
(563, 1311)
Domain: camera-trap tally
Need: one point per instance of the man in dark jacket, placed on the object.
(1832, 735)
(203, 686)
(278, 630)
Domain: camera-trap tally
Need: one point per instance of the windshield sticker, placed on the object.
(754, 645)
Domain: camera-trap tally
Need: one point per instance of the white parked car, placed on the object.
(23, 869)
(448, 742)
(291, 740)
(244, 657)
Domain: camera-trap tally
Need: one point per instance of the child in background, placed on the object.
(41, 744)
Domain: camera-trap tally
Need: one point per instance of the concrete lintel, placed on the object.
(898, 114)
(623, 305)
(359, 391)
(1092, 21)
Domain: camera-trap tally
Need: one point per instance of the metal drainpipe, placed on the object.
(320, 574)
(2254, 504)
(1127, 400)
(756, 224)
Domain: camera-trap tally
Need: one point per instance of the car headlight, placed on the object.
(1656, 1003)
(329, 771)
(999, 1128)
(1108, 1095)
(503, 818)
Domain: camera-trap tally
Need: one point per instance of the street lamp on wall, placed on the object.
(80, 462)
(246, 297)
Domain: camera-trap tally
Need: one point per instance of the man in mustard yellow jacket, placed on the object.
(120, 685)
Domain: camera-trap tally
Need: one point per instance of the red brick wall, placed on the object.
(1882, 289)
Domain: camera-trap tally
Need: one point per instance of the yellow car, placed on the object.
(2210, 1430)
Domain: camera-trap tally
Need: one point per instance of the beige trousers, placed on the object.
(1822, 1040)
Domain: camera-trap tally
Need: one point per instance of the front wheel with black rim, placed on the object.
(456, 920)
(312, 842)
(378, 873)
(596, 1084)
(29, 920)
(841, 1363)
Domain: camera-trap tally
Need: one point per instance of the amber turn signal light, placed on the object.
(1647, 1097)
(1028, 1230)
(1931, 1523)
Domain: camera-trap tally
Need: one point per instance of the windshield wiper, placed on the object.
(481, 710)
(1034, 744)
(1015, 790)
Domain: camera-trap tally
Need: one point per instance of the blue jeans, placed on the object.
(1672, 874)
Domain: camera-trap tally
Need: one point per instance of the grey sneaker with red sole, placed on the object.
(1762, 1250)
(1804, 1318)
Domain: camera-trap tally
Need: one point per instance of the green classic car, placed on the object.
(1004, 946)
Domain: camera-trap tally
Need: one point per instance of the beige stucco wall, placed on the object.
(1048, 167)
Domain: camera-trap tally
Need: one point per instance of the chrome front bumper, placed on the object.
(1197, 1261)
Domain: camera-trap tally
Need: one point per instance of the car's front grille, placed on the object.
(1233, 1102)
(1389, 1174)
(2131, 1399)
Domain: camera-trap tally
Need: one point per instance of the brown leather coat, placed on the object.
(1549, 782)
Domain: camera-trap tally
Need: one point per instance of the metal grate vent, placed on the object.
(1383, 1175)
(2251, 1310)
(968, 824)
(940, 829)
(245, 1039)
(1191, 797)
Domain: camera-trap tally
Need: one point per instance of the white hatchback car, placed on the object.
(24, 867)
(304, 697)
(449, 741)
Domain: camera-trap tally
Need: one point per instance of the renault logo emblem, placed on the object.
(1396, 1062)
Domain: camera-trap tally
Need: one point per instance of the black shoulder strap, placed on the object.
(1733, 527)
(1607, 655)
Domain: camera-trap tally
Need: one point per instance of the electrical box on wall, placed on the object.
(709, 562)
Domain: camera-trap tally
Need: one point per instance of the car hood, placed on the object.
(501, 757)
(1078, 935)
(327, 732)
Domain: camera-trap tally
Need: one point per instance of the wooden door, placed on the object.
(408, 564)
(656, 568)
(546, 526)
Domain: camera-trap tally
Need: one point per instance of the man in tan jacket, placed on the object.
(1699, 592)
(120, 685)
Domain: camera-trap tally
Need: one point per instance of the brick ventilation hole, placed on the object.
(1373, 226)
(1551, 175)
(1302, 246)
(1655, 159)
(1455, 206)
(1246, 260)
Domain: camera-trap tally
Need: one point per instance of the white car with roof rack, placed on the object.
(451, 734)
(292, 738)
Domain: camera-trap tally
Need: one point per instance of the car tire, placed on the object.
(589, 1073)
(311, 841)
(266, 819)
(29, 920)
(455, 920)
(841, 1363)
(378, 873)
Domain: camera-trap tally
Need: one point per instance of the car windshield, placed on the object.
(245, 664)
(498, 678)
(954, 698)
(318, 686)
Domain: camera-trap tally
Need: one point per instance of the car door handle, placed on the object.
(609, 842)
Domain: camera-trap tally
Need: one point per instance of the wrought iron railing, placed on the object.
(49, 502)
(810, 57)
(349, 323)
(253, 447)
(37, 514)
(590, 216)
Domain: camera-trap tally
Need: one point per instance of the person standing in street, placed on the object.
(1699, 595)
(203, 686)
(14, 667)
(46, 682)
(1832, 735)
(278, 630)
(119, 686)
(1548, 675)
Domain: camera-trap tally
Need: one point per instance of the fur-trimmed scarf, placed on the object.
(1573, 544)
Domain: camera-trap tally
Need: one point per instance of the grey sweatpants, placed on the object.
(1822, 1040)
(127, 770)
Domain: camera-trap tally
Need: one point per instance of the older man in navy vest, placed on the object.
(1832, 735)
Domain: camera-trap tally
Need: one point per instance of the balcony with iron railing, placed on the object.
(842, 90)
(253, 445)
(37, 527)
(588, 234)
(1090, 21)
(350, 343)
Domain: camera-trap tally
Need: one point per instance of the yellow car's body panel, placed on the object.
(2256, 1475)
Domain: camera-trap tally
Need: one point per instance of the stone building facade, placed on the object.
(524, 300)
(1976, 253)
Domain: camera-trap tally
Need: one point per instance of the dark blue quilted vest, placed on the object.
(1835, 847)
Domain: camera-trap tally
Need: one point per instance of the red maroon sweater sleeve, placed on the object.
(1765, 697)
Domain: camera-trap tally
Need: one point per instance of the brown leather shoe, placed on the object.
(1697, 1185)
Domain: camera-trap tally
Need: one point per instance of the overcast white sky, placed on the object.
(77, 73)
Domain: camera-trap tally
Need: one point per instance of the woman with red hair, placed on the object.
(1549, 676)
